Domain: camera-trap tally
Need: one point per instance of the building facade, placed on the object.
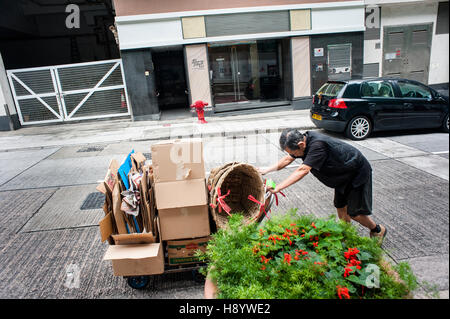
(162, 56)
(236, 55)
(408, 39)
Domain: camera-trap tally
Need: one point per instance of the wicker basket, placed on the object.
(241, 180)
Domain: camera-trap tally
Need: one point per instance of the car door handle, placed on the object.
(372, 106)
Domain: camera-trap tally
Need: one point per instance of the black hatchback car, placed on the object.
(359, 107)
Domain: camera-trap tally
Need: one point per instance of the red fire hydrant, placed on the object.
(199, 107)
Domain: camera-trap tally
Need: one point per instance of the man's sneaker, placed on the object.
(380, 236)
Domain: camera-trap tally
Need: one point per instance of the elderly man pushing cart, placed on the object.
(337, 165)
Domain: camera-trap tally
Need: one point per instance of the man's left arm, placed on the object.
(297, 175)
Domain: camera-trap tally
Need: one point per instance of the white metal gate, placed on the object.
(69, 92)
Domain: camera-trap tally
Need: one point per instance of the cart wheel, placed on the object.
(197, 276)
(138, 282)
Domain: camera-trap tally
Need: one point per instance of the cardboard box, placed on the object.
(107, 232)
(139, 257)
(181, 194)
(178, 160)
(183, 251)
(184, 222)
(136, 260)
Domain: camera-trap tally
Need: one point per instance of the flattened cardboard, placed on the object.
(111, 175)
(107, 230)
(139, 238)
(137, 161)
(106, 227)
(184, 222)
(183, 251)
(180, 194)
(145, 202)
(178, 160)
(136, 260)
(118, 214)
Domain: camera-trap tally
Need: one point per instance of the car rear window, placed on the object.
(331, 89)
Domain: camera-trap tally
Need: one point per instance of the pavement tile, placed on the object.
(62, 210)
(431, 271)
(18, 207)
(63, 172)
(15, 162)
(427, 142)
(390, 148)
(28, 272)
(433, 164)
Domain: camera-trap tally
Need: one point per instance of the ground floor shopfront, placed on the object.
(238, 75)
(238, 57)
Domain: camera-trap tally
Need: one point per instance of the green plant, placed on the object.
(293, 256)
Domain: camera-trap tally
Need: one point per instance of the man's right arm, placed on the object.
(282, 163)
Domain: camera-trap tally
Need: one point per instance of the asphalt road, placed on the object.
(46, 230)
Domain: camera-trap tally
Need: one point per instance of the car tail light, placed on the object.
(337, 104)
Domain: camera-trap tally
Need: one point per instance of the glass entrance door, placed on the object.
(230, 73)
(246, 73)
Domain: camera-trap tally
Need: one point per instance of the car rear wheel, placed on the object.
(358, 128)
(445, 124)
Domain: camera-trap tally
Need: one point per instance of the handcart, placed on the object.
(141, 282)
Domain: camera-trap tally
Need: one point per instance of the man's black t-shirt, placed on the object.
(335, 163)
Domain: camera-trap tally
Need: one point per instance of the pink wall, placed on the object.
(132, 7)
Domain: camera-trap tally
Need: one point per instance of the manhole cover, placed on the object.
(93, 201)
(86, 149)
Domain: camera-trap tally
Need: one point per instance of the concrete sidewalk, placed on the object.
(98, 132)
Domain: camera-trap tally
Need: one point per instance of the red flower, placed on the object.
(343, 292)
(315, 244)
(347, 271)
(296, 257)
(263, 268)
(351, 253)
(272, 238)
(264, 259)
(302, 235)
(313, 225)
(287, 258)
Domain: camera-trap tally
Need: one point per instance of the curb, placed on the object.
(166, 137)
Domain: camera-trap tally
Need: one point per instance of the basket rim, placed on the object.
(219, 218)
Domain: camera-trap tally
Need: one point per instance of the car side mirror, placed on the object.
(439, 98)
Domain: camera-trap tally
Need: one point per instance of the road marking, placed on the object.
(437, 153)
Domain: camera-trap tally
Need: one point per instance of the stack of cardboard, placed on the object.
(181, 198)
(135, 247)
(172, 215)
